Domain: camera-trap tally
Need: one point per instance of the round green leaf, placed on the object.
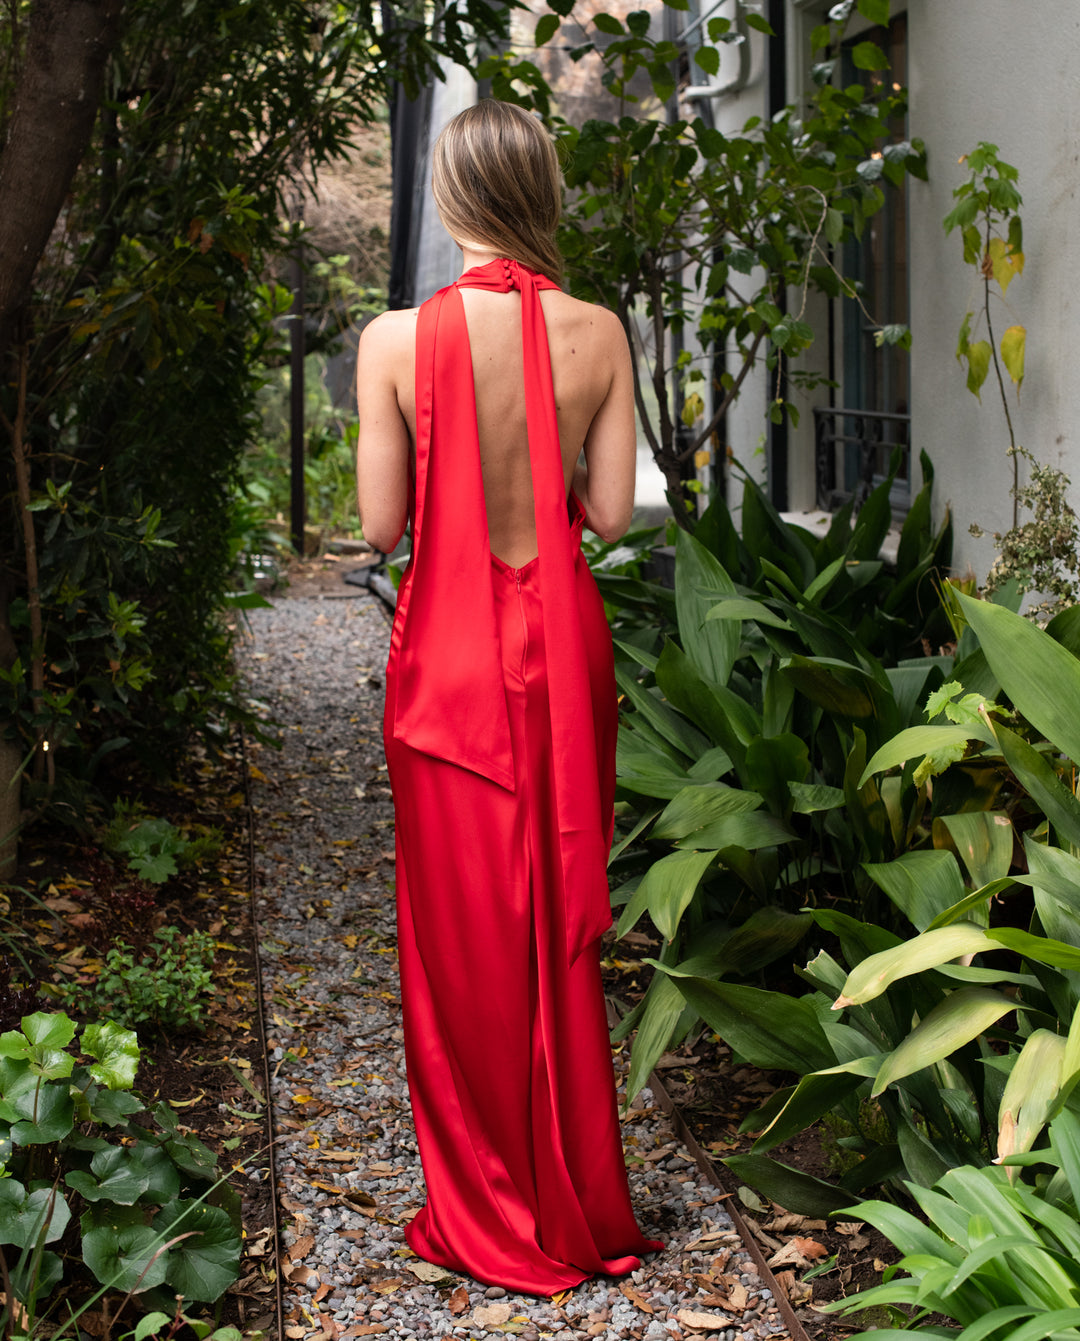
(116, 1054)
(203, 1266)
(117, 1177)
(27, 1219)
(122, 1252)
(48, 1029)
(55, 1115)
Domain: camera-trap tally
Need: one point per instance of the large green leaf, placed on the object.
(122, 1252)
(1039, 949)
(729, 721)
(29, 1218)
(858, 940)
(922, 1161)
(667, 888)
(39, 1118)
(873, 975)
(772, 764)
(750, 830)
(117, 1175)
(768, 934)
(699, 580)
(921, 884)
(663, 1006)
(798, 1192)
(1037, 673)
(1036, 773)
(205, 1264)
(1031, 1092)
(811, 798)
(672, 726)
(697, 806)
(767, 1029)
(1055, 877)
(836, 686)
(976, 903)
(962, 1016)
(742, 607)
(916, 742)
(814, 1096)
(984, 840)
(115, 1051)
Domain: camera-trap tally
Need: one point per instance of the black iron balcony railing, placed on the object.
(853, 449)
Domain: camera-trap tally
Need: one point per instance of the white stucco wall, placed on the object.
(1009, 73)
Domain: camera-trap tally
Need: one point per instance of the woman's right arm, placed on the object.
(382, 444)
(605, 484)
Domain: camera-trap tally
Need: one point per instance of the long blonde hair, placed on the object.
(496, 181)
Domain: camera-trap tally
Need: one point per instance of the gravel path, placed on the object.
(348, 1170)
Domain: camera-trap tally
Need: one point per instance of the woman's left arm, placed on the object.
(382, 444)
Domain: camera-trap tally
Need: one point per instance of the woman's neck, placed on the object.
(471, 257)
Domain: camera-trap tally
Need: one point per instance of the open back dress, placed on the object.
(500, 740)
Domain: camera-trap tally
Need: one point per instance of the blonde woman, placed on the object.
(501, 718)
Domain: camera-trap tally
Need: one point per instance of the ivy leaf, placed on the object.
(876, 11)
(1005, 262)
(546, 28)
(116, 1054)
(820, 37)
(869, 56)
(978, 357)
(1013, 344)
(709, 59)
(638, 22)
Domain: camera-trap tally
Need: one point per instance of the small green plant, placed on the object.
(154, 847)
(166, 986)
(1042, 555)
(89, 1189)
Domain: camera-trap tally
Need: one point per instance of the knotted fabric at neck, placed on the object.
(451, 701)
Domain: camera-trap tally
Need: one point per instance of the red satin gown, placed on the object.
(500, 740)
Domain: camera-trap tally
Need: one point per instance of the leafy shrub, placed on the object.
(155, 849)
(165, 986)
(746, 725)
(130, 1186)
(993, 1255)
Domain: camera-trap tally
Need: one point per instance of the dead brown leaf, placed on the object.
(636, 1298)
(387, 1286)
(700, 1322)
(301, 1274)
(810, 1248)
(459, 1301)
(491, 1315)
(301, 1247)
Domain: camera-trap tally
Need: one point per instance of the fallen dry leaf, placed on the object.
(637, 1299)
(701, 1322)
(459, 1301)
(371, 1329)
(300, 1274)
(387, 1286)
(789, 1255)
(320, 1293)
(295, 1333)
(810, 1248)
(430, 1273)
(787, 1221)
(491, 1315)
(301, 1247)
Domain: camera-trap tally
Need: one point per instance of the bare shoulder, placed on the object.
(389, 334)
(599, 327)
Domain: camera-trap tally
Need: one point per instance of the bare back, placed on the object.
(593, 397)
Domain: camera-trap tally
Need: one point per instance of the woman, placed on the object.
(501, 718)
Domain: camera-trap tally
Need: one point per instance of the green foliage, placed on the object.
(671, 220)
(747, 723)
(166, 985)
(88, 1188)
(992, 1255)
(143, 350)
(154, 848)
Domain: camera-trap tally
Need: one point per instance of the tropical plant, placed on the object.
(675, 223)
(746, 728)
(989, 1253)
(964, 1039)
(154, 1218)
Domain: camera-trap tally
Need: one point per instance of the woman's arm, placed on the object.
(382, 444)
(605, 483)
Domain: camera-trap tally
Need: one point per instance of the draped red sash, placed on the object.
(450, 701)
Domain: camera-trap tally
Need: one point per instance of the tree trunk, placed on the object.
(10, 757)
(56, 102)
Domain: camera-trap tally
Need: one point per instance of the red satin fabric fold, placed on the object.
(500, 737)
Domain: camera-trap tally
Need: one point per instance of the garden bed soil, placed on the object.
(214, 1080)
